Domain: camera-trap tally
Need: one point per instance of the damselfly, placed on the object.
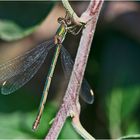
(13, 76)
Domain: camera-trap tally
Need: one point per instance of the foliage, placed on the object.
(19, 19)
(18, 125)
(121, 106)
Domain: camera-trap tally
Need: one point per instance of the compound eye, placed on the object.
(59, 20)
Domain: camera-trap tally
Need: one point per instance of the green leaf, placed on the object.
(131, 97)
(114, 113)
(136, 136)
(19, 19)
(9, 31)
(121, 106)
(133, 128)
(9, 127)
(19, 125)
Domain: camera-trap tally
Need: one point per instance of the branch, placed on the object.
(71, 12)
(70, 105)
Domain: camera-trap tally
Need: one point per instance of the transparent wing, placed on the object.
(22, 62)
(67, 63)
(20, 78)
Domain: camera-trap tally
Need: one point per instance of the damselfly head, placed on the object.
(60, 20)
(66, 21)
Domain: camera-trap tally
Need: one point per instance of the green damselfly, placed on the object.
(13, 76)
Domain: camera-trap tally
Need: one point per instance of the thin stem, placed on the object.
(79, 128)
(57, 124)
(71, 12)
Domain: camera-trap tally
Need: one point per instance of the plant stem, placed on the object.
(70, 105)
(71, 12)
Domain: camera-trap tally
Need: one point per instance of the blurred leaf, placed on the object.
(9, 127)
(114, 113)
(10, 31)
(19, 19)
(121, 105)
(131, 97)
(19, 125)
(133, 128)
(137, 136)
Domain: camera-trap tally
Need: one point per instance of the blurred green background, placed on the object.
(112, 70)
